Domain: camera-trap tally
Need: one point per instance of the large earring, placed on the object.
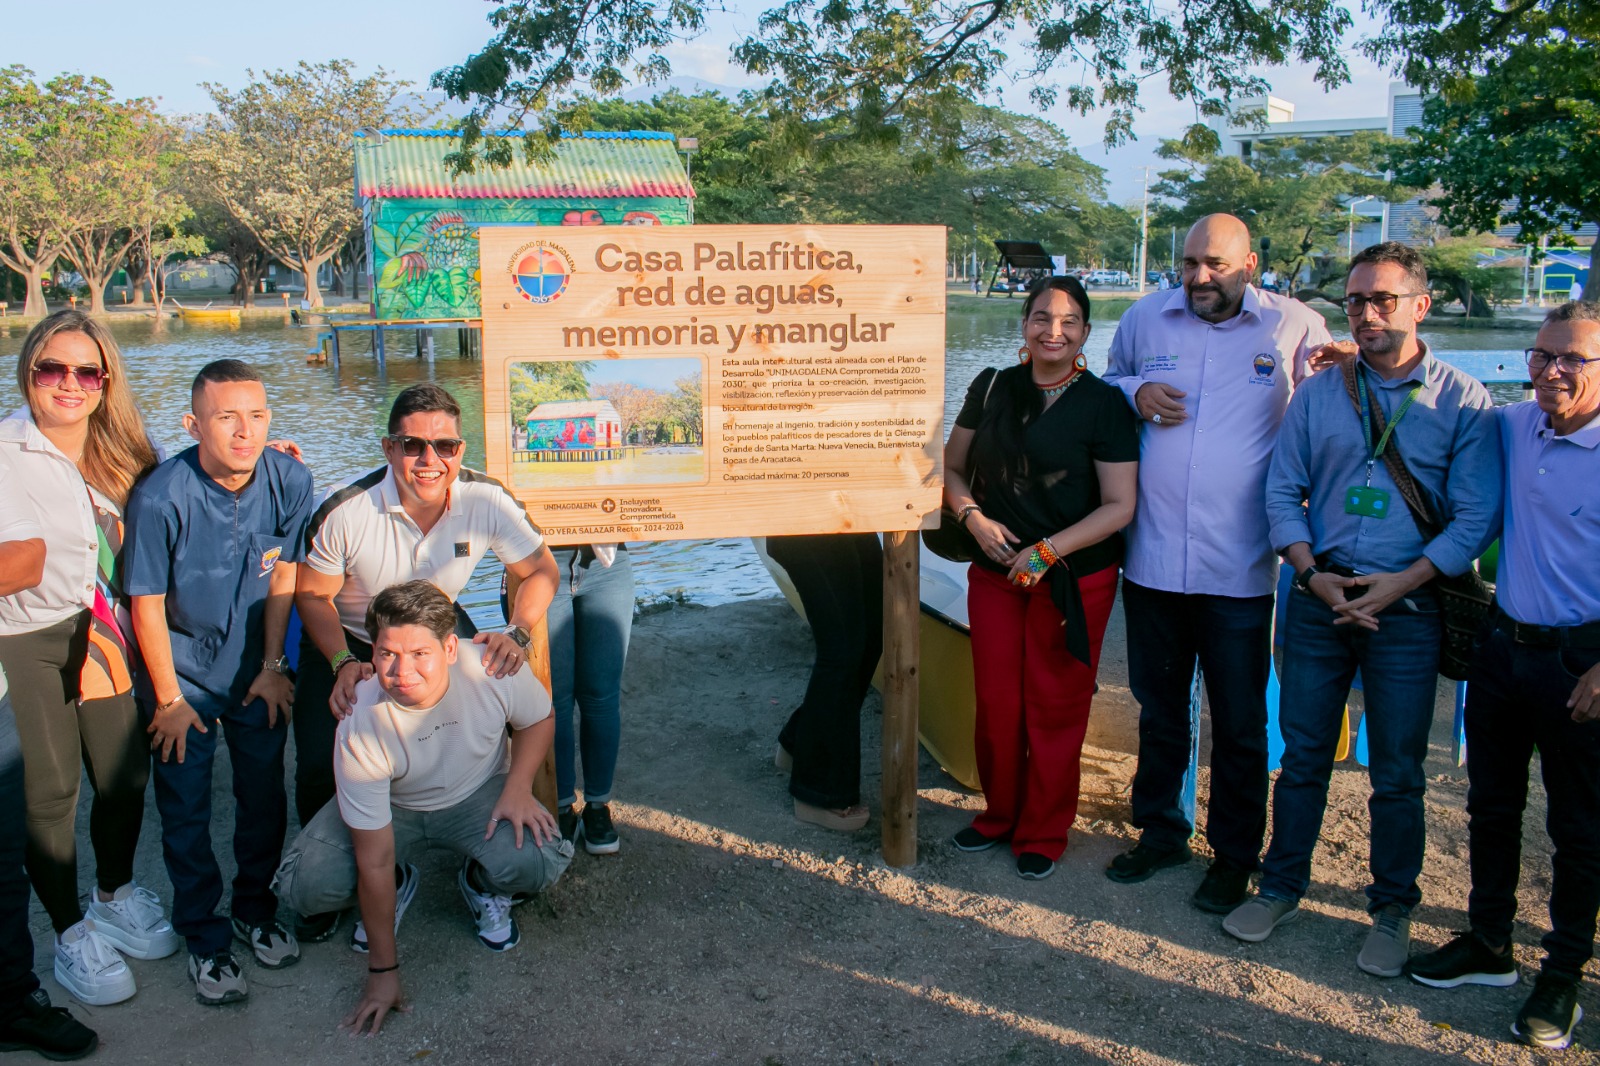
(1023, 355)
(1080, 363)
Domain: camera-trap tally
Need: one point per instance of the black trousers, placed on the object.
(1516, 702)
(1231, 638)
(839, 577)
(17, 980)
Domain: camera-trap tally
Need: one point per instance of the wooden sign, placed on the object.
(646, 383)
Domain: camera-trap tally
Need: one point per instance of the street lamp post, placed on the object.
(688, 146)
(1350, 235)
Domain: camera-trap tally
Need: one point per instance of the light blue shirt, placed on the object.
(1200, 525)
(1450, 442)
(1549, 571)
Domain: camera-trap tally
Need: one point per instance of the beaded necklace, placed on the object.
(1056, 388)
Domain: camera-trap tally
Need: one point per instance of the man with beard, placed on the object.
(1362, 597)
(1209, 368)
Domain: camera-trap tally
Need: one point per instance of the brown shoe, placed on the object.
(844, 820)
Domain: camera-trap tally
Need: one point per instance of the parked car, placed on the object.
(1110, 277)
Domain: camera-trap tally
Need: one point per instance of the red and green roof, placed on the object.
(410, 163)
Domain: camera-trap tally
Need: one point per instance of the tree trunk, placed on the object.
(97, 293)
(308, 270)
(33, 278)
(249, 272)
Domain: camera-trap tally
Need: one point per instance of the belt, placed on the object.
(1584, 636)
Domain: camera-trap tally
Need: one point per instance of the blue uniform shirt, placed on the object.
(1549, 572)
(1450, 443)
(209, 552)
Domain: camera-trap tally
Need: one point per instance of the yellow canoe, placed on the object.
(947, 710)
(227, 315)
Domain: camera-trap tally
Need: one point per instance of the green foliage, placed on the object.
(276, 155)
(535, 383)
(1443, 45)
(854, 68)
(1519, 145)
(1294, 191)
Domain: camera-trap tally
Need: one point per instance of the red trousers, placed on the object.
(1033, 705)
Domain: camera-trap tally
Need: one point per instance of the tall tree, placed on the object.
(1295, 192)
(1519, 146)
(39, 127)
(278, 155)
(873, 61)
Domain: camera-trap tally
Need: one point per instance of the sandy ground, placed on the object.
(727, 932)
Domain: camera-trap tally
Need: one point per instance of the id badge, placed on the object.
(1366, 501)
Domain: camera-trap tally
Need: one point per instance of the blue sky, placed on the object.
(166, 50)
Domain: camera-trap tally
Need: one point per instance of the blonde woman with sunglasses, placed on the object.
(75, 448)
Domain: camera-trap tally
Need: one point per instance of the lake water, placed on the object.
(337, 414)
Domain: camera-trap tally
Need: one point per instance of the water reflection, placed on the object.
(337, 413)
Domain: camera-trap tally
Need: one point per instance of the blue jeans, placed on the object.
(261, 815)
(17, 980)
(1231, 637)
(590, 621)
(1400, 673)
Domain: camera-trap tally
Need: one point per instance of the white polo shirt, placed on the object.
(363, 532)
(46, 494)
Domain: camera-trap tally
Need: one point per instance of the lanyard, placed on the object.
(1366, 421)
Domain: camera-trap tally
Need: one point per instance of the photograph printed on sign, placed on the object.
(607, 422)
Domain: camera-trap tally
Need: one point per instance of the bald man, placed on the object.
(1209, 369)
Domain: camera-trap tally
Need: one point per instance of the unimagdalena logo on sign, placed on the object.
(541, 271)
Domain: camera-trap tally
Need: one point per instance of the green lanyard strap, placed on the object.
(1366, 418)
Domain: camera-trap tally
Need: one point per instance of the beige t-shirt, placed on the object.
(427, 759)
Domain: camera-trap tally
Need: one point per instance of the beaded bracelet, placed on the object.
(1042, 557)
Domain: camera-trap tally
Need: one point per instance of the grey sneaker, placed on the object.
(273, 946)
(1388, 946)
(1255, 919)
(217, 979)
(407, 877)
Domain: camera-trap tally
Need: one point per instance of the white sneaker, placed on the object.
(497, 929)
(405, 890)
(134, 923)
(90, 968)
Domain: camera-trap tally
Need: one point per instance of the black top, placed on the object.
(1056, 484)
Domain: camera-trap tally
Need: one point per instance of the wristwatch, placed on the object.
(280, 665)
(1302, 580)
(520, 635)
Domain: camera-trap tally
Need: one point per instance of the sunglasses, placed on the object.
(49, 374)
(1382, 302)
(443, 447)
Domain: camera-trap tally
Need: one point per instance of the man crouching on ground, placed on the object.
(423, 759)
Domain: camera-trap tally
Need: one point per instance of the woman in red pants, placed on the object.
(1041, 468)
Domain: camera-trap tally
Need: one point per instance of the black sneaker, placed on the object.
(969, 839)
(1143, 860)
(51, 1031)
(1466, 960)
(1550, 1014)
(599, 835)
(1224, 888)
(1032, 866)
(315, 928)
(567, 822)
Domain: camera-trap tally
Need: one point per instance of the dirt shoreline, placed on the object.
(727, 932)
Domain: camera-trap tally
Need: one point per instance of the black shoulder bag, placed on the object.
(1465, 599)
(951, 540)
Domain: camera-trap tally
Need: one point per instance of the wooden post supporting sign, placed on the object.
(901, 653)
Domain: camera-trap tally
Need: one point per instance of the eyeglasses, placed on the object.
(49, 374)
(1566, 362)
(443, 447)
(1382, 302)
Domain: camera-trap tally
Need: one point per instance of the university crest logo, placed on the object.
(541, 271)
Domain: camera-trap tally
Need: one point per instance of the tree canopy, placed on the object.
(1519, 145)
(1296, 192)
(871, 63)
(276, 155)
